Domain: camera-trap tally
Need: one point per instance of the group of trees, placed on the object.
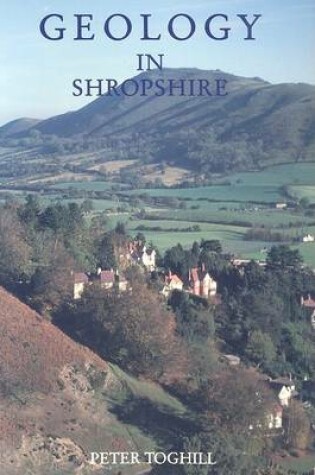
(261, 318)
(40, 246)
(132, 329)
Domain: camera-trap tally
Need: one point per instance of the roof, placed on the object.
(107, 276)
(81, 278)
(197, 275)
(309, 302)
(276, 408)
(283, 382)
(232, 359)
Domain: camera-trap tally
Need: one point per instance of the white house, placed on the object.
(172, 282)
(285, 390)
(274, 418)
(148, 259)
(284, 396)
(80, 281)
(308, 238)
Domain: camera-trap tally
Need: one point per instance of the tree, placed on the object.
(52, 284)
(194, 444)
(282, 257)
(15, 253)
(260, 348)
(297, 426)
(87, 206)
(132, 329)
(236, 400)
(211, 245)
(106, 252)
(30, 212)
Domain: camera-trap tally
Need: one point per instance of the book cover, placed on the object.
(157, 237)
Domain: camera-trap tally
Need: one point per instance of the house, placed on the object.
(140, 254)
(232, 360)
(107, 278)
(275, 417)
(110, 279)
(285, 390)
(308, 238)
(281, 206)
(80, 281)
(309, 302)
(309, 305)
(148, 259)
(240, 263)
(201, 283)
(172, 282)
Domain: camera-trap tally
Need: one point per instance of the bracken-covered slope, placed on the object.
(57, 399)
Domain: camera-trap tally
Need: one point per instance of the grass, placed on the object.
(87, 185)
(224, 211)
(293, 173)
(230, 236)
(300, 465)
(303, 191)
(223, 193)
(254, 216)
(147, 390)
(307, 251)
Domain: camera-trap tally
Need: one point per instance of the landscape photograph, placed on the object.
(157, 240)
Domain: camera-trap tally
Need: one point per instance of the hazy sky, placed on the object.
(36, 76)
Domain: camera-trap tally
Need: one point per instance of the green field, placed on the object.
(293, 173)
(87, 186)
(251, 187)
(225, 210)
(303, 191)
(256, 217)
(221, 193)
(300, 465)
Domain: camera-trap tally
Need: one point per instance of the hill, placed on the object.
(18, 126)
(255, 125)
(59, 401)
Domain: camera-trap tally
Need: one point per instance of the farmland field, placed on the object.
(303, 191)
(221, 193)
(252, 216)
(225, 210)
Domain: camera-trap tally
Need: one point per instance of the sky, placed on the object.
(36, 74)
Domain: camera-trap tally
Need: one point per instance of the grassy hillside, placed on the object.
(254, 125)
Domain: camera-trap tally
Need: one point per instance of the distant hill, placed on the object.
(17, 126)
(57, 399)
(256, 124)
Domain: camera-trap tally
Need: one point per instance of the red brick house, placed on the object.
(201, 283)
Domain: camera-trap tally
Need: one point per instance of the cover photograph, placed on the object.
(157, 237)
